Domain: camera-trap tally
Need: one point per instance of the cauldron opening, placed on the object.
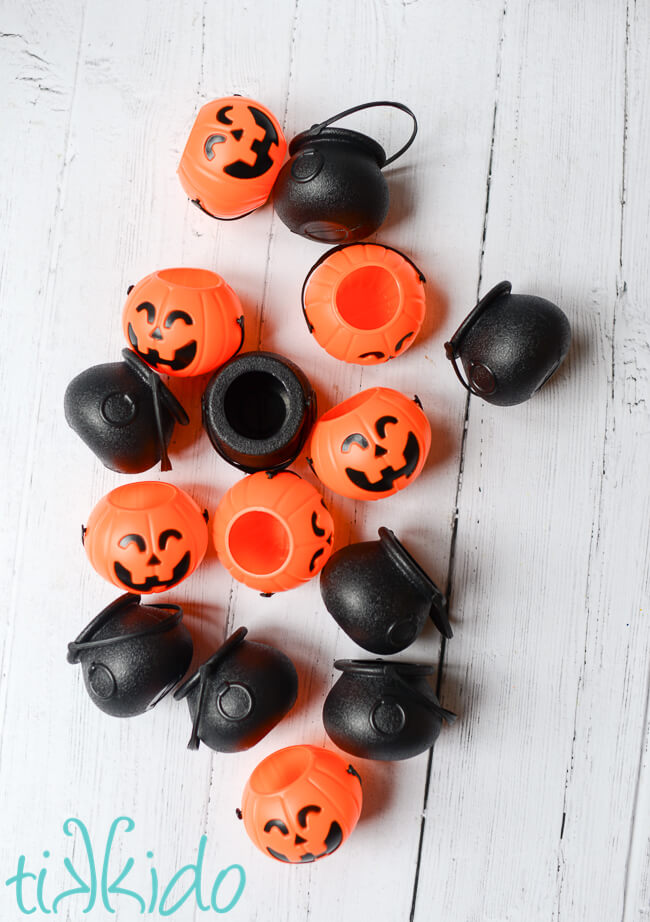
(256, 405)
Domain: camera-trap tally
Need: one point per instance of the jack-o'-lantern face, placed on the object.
(273, 533)
(364, 302)
(313, 835)
(168, 335)
(301, 803)
(248, 135)
(148, 567)
(383, 480)
(232, 157)
(183, 321)
(146, 537)
(372, 445)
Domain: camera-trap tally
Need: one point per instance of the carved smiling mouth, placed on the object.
(151, 582)
(388, 475)
(182, 357)
(332, 842)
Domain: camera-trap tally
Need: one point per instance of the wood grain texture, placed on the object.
(531, 165)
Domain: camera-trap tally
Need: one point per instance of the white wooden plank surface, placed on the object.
(531, 165)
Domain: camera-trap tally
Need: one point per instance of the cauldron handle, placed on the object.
(316, 129)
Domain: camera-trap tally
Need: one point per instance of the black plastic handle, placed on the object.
(451, 347)
(316, 129)
(84, 640)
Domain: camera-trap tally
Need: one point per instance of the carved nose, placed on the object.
(153, 560)
(299, 840)
(156, 334)
(379, 451)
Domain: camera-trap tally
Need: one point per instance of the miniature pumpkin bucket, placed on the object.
(183, 322)
(232, 157)
(301, 803)
(364, 302)
(371, 445)
(273, 532)
(146, 537)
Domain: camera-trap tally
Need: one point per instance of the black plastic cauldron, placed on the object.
(332, 189)
(124, 414)
(239, 694)
(383, 710)
(380, 595)
(132, 655)
(509, 345)
(258, 410)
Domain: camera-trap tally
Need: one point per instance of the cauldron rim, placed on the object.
(339, 135)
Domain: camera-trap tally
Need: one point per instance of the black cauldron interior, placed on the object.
(258, 410)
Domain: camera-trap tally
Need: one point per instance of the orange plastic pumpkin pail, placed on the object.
(232, 157)
(371, 445)
(183, 322)
(364, 302)
(146, 536)
(301, 803)
(273, 532)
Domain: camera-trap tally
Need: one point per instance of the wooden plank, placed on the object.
(621, 586)
(527, 825)
(437, 195)
(125, 215)
(35, 142)
(548, 665)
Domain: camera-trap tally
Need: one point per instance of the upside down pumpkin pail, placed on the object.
(232, 157)
(273, 532)
(364, 303)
